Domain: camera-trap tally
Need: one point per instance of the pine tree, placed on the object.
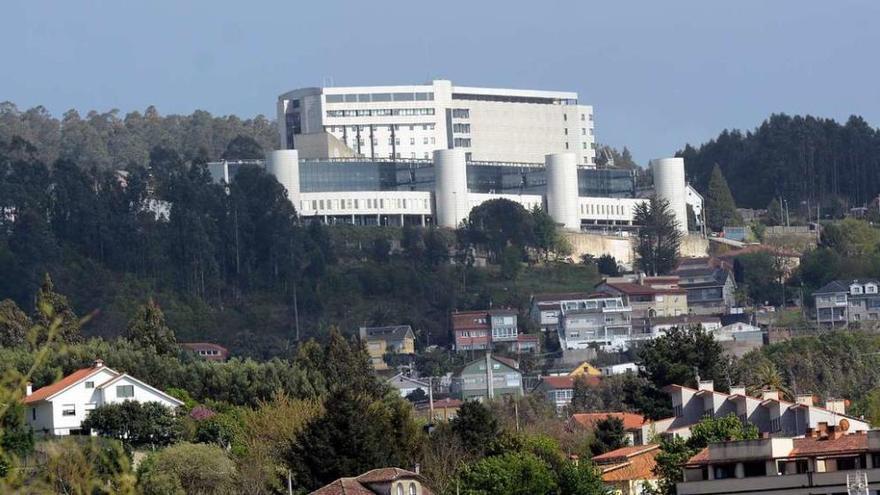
(659, 238)
(147, 328)
(608, 435)
(14, 324)
(51, 309)
(720, 204)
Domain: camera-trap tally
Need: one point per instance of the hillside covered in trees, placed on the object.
(236, 265)
(109, 140)
(798, 158)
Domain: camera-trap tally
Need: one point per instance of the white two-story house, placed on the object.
(60, 408)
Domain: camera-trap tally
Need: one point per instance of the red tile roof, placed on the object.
(465, 320)
(68, 381)
(631, 421)
(637, 466)
(565, 382)
(344, 486)
(814, 446)
(621, 454)
(356, 486)
(808, 447)
(383, 475)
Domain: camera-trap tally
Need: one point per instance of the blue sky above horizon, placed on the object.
(659, 74)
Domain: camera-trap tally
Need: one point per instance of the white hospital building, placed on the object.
(428, 154)
(410, 122)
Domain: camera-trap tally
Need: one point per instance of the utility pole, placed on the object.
(289, 483)
(490, 386)
(296, 312)
(431, 397)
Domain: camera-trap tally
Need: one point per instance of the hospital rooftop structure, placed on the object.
(427, 155)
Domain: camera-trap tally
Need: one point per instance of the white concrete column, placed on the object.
(562, 189)
(450, 187)
(284, 165)
(669, 185)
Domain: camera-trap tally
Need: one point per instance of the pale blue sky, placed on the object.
(659, 73)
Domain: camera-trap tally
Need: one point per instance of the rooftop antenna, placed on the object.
(327, 81)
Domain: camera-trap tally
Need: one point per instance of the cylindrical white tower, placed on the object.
(562, 189)
(284, 165)
(450, 187)
(669, 185)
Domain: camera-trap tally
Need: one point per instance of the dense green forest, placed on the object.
(800, 158)
(110, 141)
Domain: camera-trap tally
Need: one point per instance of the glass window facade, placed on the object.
(418, 175)
(607, 183)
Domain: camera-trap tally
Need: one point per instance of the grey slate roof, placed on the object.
(395, 332)
(842, 285)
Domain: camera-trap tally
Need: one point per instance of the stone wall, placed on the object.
(622, 248)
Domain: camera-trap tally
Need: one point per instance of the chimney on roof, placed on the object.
(99, 363)
(28, 389)
(708, 385)
(821, 430)
(417, 468)
(835, 432)
(770, 395)
(805, 399)
(836, 405)
(738, 390)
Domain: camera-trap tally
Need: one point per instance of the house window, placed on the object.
(399, 489)
(124, 391)
(412, 489)
(90, 384)
(34, 414)
(676, 411)
(68, 410)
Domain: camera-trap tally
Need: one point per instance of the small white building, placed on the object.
(619, 369)
(60, 408)
(406, 385)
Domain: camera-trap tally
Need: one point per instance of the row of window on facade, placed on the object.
(393, 142)
(583, 131)
(583, 118)
(396, 127)
(378, 97)
(367, 204)
(591, 209)
(380, 112)
(584, 144)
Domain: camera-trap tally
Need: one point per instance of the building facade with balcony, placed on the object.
(600, 321)
(827, 461)
(842, 302)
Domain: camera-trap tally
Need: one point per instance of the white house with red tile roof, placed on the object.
(60, 408)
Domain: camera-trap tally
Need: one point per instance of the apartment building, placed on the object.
(649, 297)
(771, 414)
(546, 308)
(490, 329)
(602, 320)
(826, 461)
(842, 302)
(411, 121)
(710, 285)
